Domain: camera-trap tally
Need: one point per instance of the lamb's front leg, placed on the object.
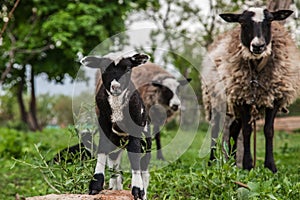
(97, 183)
(113, 162)
(134, 155)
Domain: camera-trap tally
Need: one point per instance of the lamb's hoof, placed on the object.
(159, 156)
(271, 166)
(137, 193)
(96, 184)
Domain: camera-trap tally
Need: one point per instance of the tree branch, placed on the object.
(9, 17)
(35, 51)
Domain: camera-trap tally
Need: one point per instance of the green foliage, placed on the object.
(25, 170)
(48, 35)
(8, 108)
(53, 110)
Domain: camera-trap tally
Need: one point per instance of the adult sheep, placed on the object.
(257, 65)
(159, 91)
(122, 122)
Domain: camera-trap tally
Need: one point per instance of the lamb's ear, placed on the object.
(139, 59)
(96, 62)
(229, 17)
(184, 82)
(281, 14)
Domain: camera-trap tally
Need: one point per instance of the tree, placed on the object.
(45, 36)
(187, 32)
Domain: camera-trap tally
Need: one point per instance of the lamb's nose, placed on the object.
(115, 85)
(175, 107)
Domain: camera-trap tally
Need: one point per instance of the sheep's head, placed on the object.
(169, 89)
(256, 27)
(116, 74)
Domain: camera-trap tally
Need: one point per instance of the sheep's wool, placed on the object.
(230, 68)
(142, 77)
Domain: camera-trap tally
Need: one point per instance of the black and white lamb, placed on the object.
(159, 91)
(254, 70)
(122, 122)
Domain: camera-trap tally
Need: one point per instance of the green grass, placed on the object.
(24, 170)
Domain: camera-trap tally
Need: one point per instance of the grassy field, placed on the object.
(24, 169)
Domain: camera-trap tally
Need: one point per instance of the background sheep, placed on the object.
(253, 70)
(122, 119)
(159, 91)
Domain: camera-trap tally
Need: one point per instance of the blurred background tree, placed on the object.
(43, 36)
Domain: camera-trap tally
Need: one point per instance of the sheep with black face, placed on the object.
(253, 68)
(122, 122)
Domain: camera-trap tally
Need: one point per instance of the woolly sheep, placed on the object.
(253, 70)
(159, 91)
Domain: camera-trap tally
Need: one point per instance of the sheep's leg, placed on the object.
(246, 130)
(145, 162)
(234, 131)
(159, 154)
(269, 133)
(215, 123)
(113, 162)
(134, 154)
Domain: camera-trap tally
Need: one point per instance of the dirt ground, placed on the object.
(104, 195)
(287, 124)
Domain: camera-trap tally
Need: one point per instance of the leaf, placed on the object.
(243, 193)
(254, 187)
(272, 196)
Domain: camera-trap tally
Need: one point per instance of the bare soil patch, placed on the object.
(287, 124)
(104, 195)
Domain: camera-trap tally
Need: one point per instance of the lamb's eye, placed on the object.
(128, 69)
(242, 22)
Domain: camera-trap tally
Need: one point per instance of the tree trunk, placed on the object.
(274, 5)
(32, 106)
(21, 100)
(28, 118)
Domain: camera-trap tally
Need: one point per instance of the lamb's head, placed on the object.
(116, 73)
(256, 27)
(169, 89)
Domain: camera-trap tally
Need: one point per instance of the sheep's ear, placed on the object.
(96, 62)
(281, 14)
(156, 84)
(229, 17)
(184, 82)
(139, 59)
